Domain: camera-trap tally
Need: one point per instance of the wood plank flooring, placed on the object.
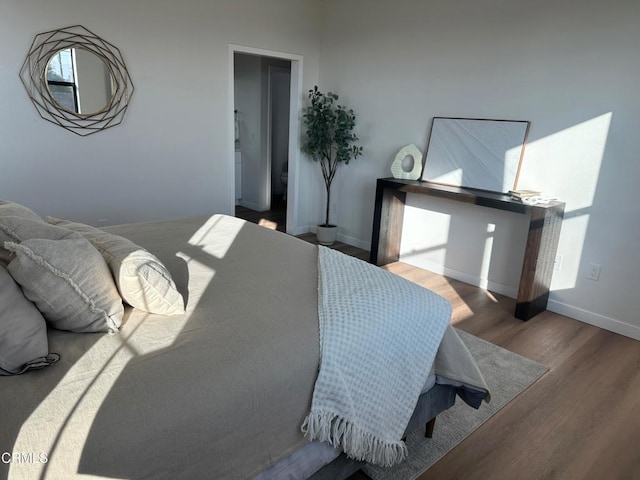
(275, 219)
(343, 247)
(581, 420)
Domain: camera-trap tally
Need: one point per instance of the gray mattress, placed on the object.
(219, 392)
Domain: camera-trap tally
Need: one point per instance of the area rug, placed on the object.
(507, 375)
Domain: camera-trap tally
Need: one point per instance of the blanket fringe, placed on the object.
(356, 443)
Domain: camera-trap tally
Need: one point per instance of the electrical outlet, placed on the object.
(557, 265)
(593, 273)
(103, 222)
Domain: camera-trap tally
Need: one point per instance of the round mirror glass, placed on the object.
(79, 81)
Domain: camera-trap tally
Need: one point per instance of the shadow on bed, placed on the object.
(221, 391)
(33, 394)
(34, 387)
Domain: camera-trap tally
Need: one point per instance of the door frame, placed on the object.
(295, 105)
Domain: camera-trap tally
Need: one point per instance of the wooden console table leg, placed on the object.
(387, 225)
(539, 258)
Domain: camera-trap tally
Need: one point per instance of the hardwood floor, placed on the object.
(581, 420)
(343, 247)
(275, 219)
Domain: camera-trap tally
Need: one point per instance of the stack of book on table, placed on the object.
(522, 194)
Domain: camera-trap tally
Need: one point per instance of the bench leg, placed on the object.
(428, 430)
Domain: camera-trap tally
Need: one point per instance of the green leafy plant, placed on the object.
(329, 136)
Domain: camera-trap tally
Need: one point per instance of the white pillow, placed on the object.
(142, 279)
(69, 282)
(23, 331)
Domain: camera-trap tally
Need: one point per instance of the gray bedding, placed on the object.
(219, 392)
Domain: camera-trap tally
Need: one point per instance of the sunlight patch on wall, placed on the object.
(418, 247)
(567, 165)
(486, 256)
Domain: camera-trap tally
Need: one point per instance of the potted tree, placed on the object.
(330, 141)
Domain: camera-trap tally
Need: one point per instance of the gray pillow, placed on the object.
(69, 282)
(14, 228)
(13, 210)
(23, 331)
(142, 279)
(17, 210)
(5, 256)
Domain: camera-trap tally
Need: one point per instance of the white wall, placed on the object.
(571, 70)
(170, 156)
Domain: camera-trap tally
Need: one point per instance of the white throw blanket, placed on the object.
(379, 335)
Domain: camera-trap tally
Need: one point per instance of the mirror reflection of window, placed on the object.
(79, 81)
(61, 79)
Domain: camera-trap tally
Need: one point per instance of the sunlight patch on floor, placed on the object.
(491, 296)
(436, 283)
(268, 224)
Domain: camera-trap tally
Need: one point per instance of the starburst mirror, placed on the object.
(77, 80)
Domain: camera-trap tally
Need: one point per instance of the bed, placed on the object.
(218, 391)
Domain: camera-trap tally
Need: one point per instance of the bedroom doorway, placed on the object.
(265, 101)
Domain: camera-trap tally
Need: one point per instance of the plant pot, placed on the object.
(326, 234)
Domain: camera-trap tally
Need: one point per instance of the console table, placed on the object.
(542, 240)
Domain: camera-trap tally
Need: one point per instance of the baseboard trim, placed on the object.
(300, 230)
(354, 242)
(474, 280)
(340, 237)
(595, 319)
